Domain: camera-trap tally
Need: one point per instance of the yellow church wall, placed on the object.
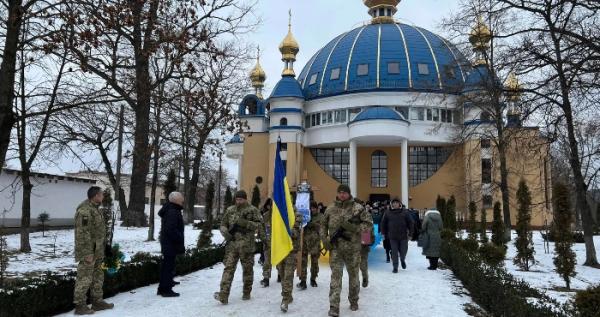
(255, 163)
(364, 187)
(447, 181)
(324, 186)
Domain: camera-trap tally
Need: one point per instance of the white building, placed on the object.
(57, 195)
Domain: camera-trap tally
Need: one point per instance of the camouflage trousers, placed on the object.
(338, 258)
(286, 271)
(267, 263)
(314, 264)
(234, 254)
(364, 261)
(89, 277)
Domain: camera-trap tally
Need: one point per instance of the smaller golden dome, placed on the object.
(513, 88)
(480, 36)
(258, 75)
(289, 47)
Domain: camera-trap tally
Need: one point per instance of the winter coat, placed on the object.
(171, 229)
(431, 229)
(417, 224)
(90, 231)
(397, 224)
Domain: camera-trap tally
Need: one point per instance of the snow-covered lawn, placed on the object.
(543, 276)
(43, 258)
(413, 292)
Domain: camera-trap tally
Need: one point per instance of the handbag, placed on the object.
(365, 237)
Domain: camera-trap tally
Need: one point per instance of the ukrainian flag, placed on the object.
(283, 217)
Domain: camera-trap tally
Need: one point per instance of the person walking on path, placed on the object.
(340, 232)
(311, 247)
(287, 267)
(90, 244)
(171, 242)
(266, 227)
(430, 238)
(397, 227)
(239, 226)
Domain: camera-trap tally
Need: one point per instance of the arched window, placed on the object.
(378, 169)
(283, 121)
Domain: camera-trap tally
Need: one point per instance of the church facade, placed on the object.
(382, 108)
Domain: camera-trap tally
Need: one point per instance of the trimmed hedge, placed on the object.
(587, 302)
(52, 293)
(494, 289)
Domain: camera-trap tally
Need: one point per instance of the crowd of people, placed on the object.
(345, 229)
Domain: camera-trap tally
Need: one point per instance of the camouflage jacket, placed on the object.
(296, 232)
(265, 233)
(346, 211)
(312, 238)
(90, 231)
(241, 224)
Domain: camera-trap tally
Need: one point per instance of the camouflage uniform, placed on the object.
(90, 240)
(238, 226)
(267, 244)
(364, 260)
(312, 247)
(346, 250)
(288, 265)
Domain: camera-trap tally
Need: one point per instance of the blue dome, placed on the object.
(479, 78)
(378, 113)
(394, 57)
(288, 86)
(235, 139)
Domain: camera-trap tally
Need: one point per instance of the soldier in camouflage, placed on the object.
(340, 232)
(239, 225)
(287, 267)
(311, 246)
(90, 243)
(266, 238)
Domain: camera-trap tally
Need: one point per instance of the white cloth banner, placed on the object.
(303, 206)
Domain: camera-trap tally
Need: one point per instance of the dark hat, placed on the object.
(313, 204)
(241, 194)
(343, 188)
(395, 200)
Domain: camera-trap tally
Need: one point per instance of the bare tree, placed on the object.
(559, 66)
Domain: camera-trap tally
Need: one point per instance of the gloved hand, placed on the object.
(327, 244)
(349, 227)
(108, 251)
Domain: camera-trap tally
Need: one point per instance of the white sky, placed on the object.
(314, 24)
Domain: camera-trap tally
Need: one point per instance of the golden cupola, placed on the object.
(513, 88)
(258, 77)
(289, 48)
(480, 37)
(382, 11)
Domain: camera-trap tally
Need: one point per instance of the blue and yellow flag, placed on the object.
(283, 217)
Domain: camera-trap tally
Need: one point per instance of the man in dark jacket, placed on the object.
(397, 225)
(171, 242)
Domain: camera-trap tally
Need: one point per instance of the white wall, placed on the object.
(59, 198)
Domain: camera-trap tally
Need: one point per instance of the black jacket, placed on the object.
(171, 229)
(397, 224)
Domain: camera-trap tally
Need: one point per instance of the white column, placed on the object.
(353, 169)
(404, 172)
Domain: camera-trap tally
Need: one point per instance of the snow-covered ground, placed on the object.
(43, 258)
(413, 292)
(543, 276)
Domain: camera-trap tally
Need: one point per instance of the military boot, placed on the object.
(365, 282)
(301, 285)
(284, 306)
(278, 278)
(353, 306)
(102, 305)
(83, 310)
(334, 311)
(246, 296)
(218, 297)
(265, 282)
(313, 282)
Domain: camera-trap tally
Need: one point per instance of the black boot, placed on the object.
(435, 263)
(278, 278)
(387, 256)
(432, 264)
(265, 282)
(313, 282)
(301, 285)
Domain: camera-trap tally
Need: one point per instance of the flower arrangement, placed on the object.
(113, 259)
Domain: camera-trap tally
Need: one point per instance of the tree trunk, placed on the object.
(504, 187)
(26, 210)
(112, 178)
(193, 187)
(7, 75)
(154, 177)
